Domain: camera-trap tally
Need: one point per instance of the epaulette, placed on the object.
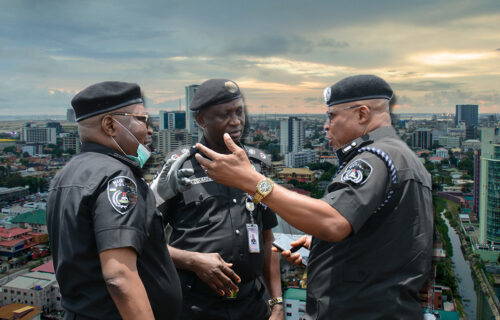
(258, 155)
(180, 151)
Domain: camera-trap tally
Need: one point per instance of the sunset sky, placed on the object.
(282, 53)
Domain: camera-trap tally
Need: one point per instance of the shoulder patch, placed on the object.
(357, 172)
(258, 155)
(122, 194)
(178, 152)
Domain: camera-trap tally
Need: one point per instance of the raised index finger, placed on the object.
(231, 146)
(207, 151)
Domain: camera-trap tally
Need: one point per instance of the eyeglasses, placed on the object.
(329, 113)
(141, 117)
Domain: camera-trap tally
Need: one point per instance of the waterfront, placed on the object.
(462, 271)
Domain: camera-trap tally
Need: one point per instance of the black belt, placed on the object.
(245, 290)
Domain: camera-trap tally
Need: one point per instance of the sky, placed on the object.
(282, 53)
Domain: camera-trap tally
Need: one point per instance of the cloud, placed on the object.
(426, 85)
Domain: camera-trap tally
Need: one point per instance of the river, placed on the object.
(462, 271)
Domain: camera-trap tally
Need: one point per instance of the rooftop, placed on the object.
(46, 267)
(13, 232)
(28, 312)
(34, 217)
(296, 170)
(32, 280)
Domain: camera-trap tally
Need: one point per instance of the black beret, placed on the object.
(356, 88)
(215, 91)
(103, 97)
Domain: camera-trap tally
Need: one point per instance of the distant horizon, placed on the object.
(48, 117)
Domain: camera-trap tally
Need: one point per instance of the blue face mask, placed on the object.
(143, 153)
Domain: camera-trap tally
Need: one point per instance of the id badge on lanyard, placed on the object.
(253, 238)
(252, 229)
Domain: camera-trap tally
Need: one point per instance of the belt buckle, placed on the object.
(232, 296)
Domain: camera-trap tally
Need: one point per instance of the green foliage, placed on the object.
(467, 165)
(11, 149)
(15, 180)
(429, 166)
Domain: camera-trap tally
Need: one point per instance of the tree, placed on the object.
(466, 164)
(429, 166)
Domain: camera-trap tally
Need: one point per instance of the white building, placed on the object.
(471, 144)
(38, 289)
(442, 153)
(299, 159)
(38, 135)
(294, 304)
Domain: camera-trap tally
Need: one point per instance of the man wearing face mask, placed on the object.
(107, 237)
(221, 242)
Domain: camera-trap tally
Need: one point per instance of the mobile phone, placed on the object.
(282, 242)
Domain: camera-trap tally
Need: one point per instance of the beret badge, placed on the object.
(231, 86)
(327, 93)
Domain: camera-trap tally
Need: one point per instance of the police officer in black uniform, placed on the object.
(221, 242)
(372, 231)
(106, 236)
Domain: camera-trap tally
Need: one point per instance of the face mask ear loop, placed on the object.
(118, 145)
(127, 131)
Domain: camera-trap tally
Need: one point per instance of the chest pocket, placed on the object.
(201, 205)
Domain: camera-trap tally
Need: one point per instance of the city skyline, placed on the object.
(436, 55)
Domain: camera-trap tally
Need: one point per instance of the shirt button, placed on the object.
(234, 201)
(237, 232)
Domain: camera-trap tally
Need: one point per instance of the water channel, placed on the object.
(462, 271)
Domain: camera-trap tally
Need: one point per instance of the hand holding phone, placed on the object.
(294, 251)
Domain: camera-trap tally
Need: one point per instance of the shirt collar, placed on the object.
(99, 148)
(366, 139)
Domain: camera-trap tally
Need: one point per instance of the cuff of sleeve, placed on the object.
(121, 237)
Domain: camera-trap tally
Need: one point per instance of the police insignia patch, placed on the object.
(122, 194)
(357, 172)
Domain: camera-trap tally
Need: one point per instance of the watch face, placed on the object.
(265, 186)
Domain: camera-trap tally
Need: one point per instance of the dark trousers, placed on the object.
(201, 303)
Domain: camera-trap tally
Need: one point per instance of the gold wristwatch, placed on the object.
(264, 187)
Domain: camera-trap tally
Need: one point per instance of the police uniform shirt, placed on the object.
(210, 217)
(98, 202)
(377, 271)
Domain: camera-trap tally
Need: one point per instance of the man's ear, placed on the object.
(364, 113)
(108, 126)
(200, 120)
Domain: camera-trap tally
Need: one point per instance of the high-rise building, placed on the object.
(489, 181)
(291, 135)
(71, 141)
(477, 185)
(468, 113)
(171, 120)
(43, 135)
(70, 115)
(190, 120)
(422, 139)
(56, 125)
(169, 140)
